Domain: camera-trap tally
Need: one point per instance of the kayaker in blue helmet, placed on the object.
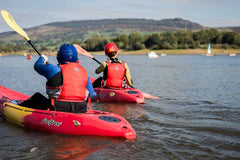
(66, 83)
(115, 71)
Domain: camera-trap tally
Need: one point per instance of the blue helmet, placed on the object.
(67, 53)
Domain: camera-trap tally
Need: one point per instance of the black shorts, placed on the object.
(75, 107)
(38, 101)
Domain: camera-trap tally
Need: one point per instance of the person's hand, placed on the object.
(45, 58)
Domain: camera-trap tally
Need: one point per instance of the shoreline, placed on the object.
(183, 52)
(145, 52)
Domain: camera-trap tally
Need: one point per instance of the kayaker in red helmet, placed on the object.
(66, 83)
(114, 70)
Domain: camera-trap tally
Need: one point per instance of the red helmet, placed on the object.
(110, 47)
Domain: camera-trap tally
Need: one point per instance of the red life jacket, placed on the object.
(75, 80)
(115, 74)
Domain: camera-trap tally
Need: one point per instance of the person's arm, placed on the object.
(128, 75)
(46, 70)
(90, 88)
(101, 68)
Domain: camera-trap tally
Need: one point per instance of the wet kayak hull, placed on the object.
(125, 95)
(94, 123)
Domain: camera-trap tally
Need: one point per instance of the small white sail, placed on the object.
(209, 49)
(209, 52)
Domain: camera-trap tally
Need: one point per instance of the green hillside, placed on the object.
(129, 34)
(80, 30)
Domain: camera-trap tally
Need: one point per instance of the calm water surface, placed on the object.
(197, 117)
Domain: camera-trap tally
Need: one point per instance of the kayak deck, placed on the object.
(124, 95)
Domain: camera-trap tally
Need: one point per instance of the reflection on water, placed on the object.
(71, 147)
(197, 117)
(127, 110)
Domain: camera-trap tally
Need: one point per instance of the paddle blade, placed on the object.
(82, 51)
(149, 96)
(11, 23)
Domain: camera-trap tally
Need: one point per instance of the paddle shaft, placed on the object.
(96, 60)
(13, 24)
(38, 52)
(86, 53)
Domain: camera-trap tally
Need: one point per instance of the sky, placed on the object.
(209, 13)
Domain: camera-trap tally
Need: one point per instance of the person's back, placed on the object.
(67, 82)
(114, 70)
(115, 74)
(75, 80)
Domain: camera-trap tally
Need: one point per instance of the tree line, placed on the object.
(167, 40)
(183, 39)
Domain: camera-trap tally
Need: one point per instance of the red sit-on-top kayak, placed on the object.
(126, 95)
(92, 122)
(122, 95)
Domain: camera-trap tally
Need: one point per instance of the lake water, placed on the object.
(197, 117)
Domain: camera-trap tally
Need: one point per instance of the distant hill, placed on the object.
(137, 24)
(56, 32)
(82, 29)
(233, 29)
